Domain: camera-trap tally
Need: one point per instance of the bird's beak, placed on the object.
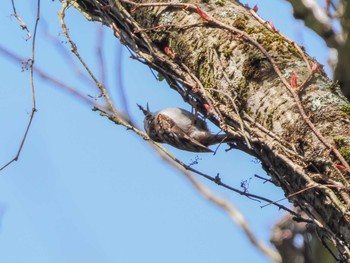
(145, 112)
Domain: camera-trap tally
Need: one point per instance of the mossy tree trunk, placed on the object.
(254, 84)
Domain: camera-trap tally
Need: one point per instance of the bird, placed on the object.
(181, 129)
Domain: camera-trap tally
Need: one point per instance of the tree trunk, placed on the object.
(257, 86)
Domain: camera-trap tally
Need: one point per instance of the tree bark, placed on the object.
(257, 86)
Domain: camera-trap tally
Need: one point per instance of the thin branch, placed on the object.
(320, 186)
(61, 15)
(235, 215)
(99, 53)
(119, 77)
(31, 76)
(49, 78)
(216, 179)
(317, 20)
(65, 54)
(21, 22)
(269, 26)
(215, 22)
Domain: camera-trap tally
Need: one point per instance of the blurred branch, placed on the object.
(236, 216)
(297, 242)
(120, 84)
(65, 54)
(124, 122)
(333, 28)
(117, 120)
(224, 204)
(74, 49)
(49, 78)
(99, 53)
(317, 20)
(342, 69)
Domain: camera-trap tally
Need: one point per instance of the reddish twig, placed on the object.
(204, 15)
(273, 29)
(308, 188)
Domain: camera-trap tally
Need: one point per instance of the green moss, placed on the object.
(242, 83)
(252, 30)
(227, 53)
(294, 50)
(220, 2)
(258, 116)
(242, 89)
(342, 144)
(242, 92)
(345, 152)
(240, 23)
(206, 75)
(269, 121)
(334, 86)
(346, 109)
(245, 47)
(249, 112)
(275, 43)
(339, 141)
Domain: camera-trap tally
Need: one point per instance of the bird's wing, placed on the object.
(177, 137)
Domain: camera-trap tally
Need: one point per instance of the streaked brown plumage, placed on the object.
(181, 129)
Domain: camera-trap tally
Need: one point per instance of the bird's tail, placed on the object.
(218, 138)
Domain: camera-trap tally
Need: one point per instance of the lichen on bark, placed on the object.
(262, 90)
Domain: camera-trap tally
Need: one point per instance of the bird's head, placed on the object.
(148, 118)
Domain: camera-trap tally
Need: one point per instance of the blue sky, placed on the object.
(86, 190)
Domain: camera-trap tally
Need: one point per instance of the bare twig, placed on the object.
(316, 19)
(268, 26)
(31, 74)
(119, 77)
(74, 49)
(49, 78)
(216, 179)
(213, 21)
(235, 215)
(21, 22)
(65, 54)
(315, 185)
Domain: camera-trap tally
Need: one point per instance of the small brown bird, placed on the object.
(181, 129)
